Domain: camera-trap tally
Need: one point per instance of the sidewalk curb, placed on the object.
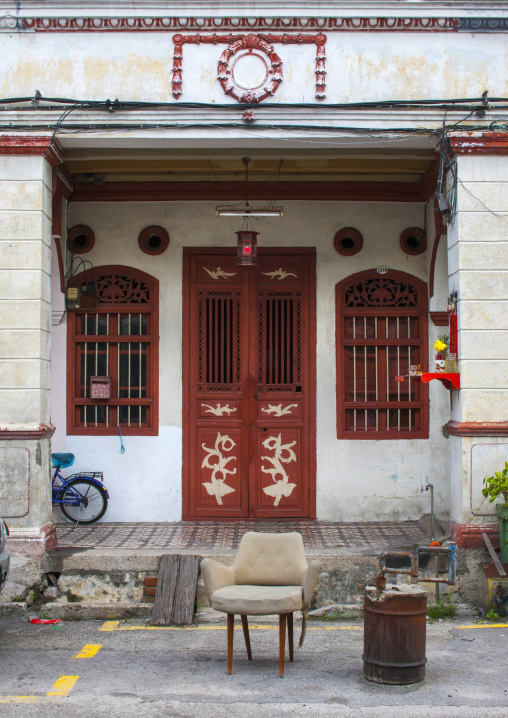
(97, 611)
(16, 609)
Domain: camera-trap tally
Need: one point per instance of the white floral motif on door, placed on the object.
(217, 486)
(283, 454)
(279, 410)
(219, 410)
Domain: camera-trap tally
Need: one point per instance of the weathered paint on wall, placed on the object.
(359, 67)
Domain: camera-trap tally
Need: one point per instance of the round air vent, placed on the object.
(153, 240)
(413, 241)
(348, 241)
(80, 239)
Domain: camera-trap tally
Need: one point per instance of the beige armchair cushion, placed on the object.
(257, 600)
(270, 560)
(215, 575)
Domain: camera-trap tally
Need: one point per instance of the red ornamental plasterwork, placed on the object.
(258, 45)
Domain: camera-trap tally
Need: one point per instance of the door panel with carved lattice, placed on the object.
(249, 387)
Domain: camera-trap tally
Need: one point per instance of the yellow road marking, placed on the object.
(115, 626)
(63, 686)
(89, 650)
(486, 625)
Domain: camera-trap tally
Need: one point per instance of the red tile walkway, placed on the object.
(226, 535)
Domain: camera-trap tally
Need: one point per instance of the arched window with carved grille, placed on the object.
(119, 340)
(381, 330)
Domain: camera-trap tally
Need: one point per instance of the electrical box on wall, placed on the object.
(100, 387)
(81, 297)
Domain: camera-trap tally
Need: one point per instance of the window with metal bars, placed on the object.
(381, 331)
(119, 340)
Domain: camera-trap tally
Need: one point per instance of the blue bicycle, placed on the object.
(82, 497)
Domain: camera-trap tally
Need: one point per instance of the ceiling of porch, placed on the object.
(147, 165)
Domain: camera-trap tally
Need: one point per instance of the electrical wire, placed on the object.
(116, 105)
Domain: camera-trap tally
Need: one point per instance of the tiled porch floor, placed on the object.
(227, 535)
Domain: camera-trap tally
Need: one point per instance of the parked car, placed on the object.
(5, 558)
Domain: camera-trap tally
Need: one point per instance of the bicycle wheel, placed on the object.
(86, 503)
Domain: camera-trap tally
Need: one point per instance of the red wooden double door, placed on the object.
(249, 385)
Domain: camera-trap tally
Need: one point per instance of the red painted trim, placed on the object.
(235, 191)
(427, 186)
(440, 319)
(420, 311)
(45, 431)
(61, 270)
(62, 190)
(171, 24)
(153, 368)
(477, 428)
(490, 143)
(32, 145)
(470, 535)
(440, 230)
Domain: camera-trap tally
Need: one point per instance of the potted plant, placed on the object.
(441, 348)
(497, 486)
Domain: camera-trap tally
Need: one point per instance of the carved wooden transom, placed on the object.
(118, 289)
(381, 292)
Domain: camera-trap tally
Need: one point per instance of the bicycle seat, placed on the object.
(62, 461)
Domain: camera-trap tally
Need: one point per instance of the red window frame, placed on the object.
(148, 308)
(378, 335)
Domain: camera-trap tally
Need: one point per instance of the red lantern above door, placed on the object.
(247, 248)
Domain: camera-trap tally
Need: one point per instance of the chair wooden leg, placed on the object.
(231, 630)
(282, 643)
(290, 637)
(245, 626)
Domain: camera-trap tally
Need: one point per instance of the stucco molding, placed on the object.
(40, 145)
(477, 428)
(490, 143)
(289, 24)
(44, 431)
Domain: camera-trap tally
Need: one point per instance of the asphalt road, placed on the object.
(113, 669)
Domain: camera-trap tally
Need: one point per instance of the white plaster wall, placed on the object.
(356, 480)
(25, 256)
(478, 270)
(360, 67)
(58, 356)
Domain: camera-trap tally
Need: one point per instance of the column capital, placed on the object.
(474, 143)
(40, 145)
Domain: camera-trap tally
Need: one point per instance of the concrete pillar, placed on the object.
(478, 271)
(26, 180)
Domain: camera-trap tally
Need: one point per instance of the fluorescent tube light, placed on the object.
(248, 211)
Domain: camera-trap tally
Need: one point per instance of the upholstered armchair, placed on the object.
(270, 575)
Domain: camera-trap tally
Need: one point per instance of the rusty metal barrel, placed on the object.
(394, 638)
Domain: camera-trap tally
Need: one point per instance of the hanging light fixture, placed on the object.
(247, 210)
(247, 248)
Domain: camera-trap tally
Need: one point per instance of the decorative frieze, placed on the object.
(328, 24)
